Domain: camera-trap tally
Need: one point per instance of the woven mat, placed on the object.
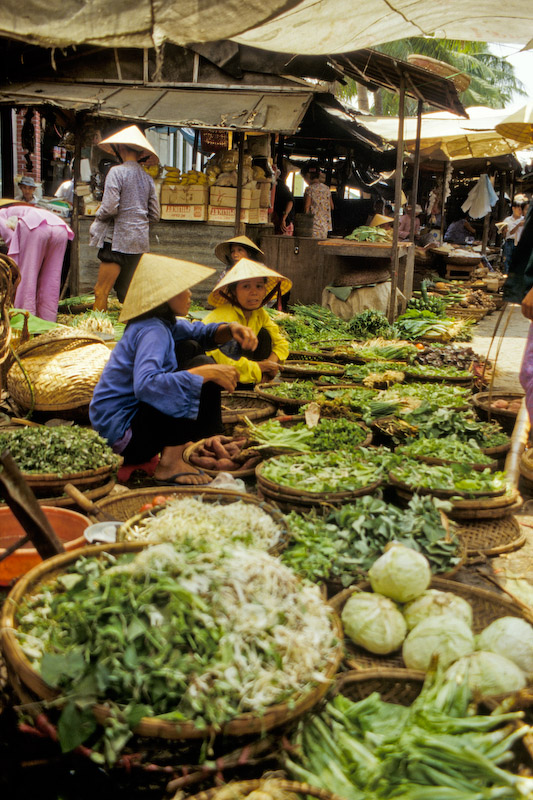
(491, 536)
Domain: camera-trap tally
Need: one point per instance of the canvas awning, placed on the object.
(279, 111)
(293, 26)
(445, 136)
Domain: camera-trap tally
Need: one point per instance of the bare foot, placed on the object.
(174, 470)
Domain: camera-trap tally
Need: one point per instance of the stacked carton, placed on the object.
(223, 201)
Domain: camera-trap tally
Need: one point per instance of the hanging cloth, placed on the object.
(480, 198)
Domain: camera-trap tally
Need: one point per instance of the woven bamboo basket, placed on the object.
(91, 493)
(491, 537)
(52, 483)
(295, 419)
(460, 80)
(237, 473)
(447, 494)
(31, 681)
(487, 606)
(463, 380)
(312, 369)
(493, 465)
(237, 405)
(289, 403)
(243, 788)
(482, 400)
(401, 686)
(306, 355)
(472, 312)
(207, 496)
(59, 372)
(291, 499)
(526, 467)
(463, 260)
(492, 508)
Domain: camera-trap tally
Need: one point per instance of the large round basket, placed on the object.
(463, 380)
(405, 490)
(401, 686)
(57, 371)
(460, 80)
(292, 499)
(310, 369)
(526, 467)
(192, 448)
(48, 484)
(28, 680)
(432, 461)
(237, 405)
(209, 496)
(470, 312)
(288, 403)
(487, 606)
(491, 537)
(90, 493)
(243, 788)
(482, 405)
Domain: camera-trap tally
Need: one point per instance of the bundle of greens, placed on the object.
(427, 302)
(462, 425)
(341, 471)
(292, 390)
(435, 749)
(369, 233)
(343, 545)
(416, 323)
(446, 448)
(453, 477)
(379, 349)
(426, 395)
(61, 450)
(179, 633)
(328, 434)
(444, 372)
(369, 324)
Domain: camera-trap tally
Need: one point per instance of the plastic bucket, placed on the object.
(67, 525)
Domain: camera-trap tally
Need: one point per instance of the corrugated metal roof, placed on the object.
(193, 108)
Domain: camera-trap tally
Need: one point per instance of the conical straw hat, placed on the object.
(158, 279)
(134, 138)
(242, 271)
(518, 126)
(222, 250)
(379, 219)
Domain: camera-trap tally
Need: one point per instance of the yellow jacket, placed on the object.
(249, 371)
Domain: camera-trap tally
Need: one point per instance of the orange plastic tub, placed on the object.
(67, 525)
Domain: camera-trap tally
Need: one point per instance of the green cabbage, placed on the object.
(488, 673)
(400, 573)
(433, 603)
(373, 622)
(511, 637)
(447, 637)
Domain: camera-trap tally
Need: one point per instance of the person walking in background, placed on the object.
(317, 201)
(283, 215)
(122, 223)
(37, 241)
(512, 227)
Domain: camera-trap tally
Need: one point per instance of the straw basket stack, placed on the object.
(57, 372)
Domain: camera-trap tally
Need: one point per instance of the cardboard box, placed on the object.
(258, 216)
(255, 198)
(189, 195)
(192, 213)
(265, 193)
(226, 196)
(226, 215)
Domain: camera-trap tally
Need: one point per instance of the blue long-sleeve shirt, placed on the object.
(142, 368)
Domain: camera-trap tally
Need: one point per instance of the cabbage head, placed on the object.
(433, 603)
(488, 673)
(400, 573)
(444, 636)
(373, 622)
(511, 637)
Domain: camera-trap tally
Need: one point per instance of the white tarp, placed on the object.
(447, 136)
(310, 26)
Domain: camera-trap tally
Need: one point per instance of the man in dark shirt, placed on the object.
(283, 215)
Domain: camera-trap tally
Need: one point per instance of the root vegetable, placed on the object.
(251, 462)
(500, 404)
(219, 448)
(205, 462)
(227, 465)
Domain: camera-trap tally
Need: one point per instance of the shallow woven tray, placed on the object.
(482, 508)
(460, 312)
(487, 606)
(401, 686)
(214, 496)
(236, 405)
(242, 788)
(305, 368)
(446, 462)
(241, 725)
(507, 419)
(306, 355)
(429, 378)
(45, 482)
(526, 466)
(237, 473)
(491, 537)
(289, 491)
(64, 501)
(474, 497)
(289, 421)
(261, 390)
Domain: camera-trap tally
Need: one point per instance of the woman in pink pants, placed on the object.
(37, 240)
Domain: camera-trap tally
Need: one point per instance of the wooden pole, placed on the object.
(397, 203)
(416, 170)
(239, 226)
(74, 267)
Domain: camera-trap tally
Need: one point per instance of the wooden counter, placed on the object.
(353, 256)
(349, 247)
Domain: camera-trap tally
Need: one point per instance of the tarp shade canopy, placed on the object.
(195, 108)
(294, 26)
(445, 136)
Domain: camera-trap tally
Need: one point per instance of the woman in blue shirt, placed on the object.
(159, 390)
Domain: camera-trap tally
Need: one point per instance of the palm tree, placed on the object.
(492, 78)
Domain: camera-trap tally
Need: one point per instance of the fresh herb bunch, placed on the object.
(341, 471)
(462, 425)
(381, 350)
(292, 390)
(417, 323)
(442, 371)
(328, 434)
(432, 395)
(369, 324)
(447, 448)
(369, 233)
(60, 450)
(452, 477)
(337, 434)
(343, 545)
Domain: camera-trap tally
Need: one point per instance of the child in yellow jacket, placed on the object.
(239, 297)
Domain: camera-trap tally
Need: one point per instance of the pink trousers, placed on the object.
(526, 373)
(40, 260)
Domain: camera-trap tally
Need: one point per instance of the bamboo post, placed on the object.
(519, 440)
(239, 226)
(73, 277)
(397, 203)
(416, 170)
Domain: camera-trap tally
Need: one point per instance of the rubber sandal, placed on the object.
(171, 480)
